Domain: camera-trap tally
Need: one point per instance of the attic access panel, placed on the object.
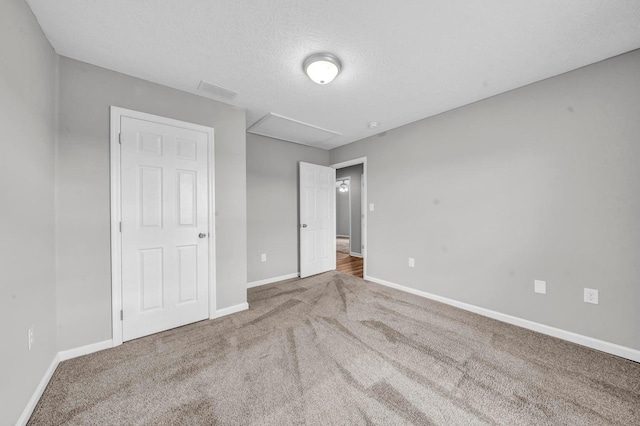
(287, 129)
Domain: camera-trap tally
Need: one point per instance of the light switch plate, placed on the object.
(540, 286)
(370, 207)
(412, 262)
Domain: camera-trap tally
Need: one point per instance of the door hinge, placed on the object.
(120, 226)
(121, 315)
(120, 138)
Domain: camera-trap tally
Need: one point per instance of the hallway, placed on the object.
(349, 264)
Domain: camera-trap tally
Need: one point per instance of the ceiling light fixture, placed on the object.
(343, 187)
(322, 68)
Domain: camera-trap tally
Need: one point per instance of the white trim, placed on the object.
(364, 240)
(231, 310)
(57, 359)
(354, 254)
(350, 218)
(116, 243)
(354, 162)
(590, 342)
(212, 224)
(85, 350)
(116, 211)
(272, 280)
(33, 401)
(363, 224)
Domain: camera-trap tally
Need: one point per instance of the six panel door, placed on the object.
(165, 216)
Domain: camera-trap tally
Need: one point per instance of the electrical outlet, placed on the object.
(263, 257)
(540, 286)
(30, 337)
(412, 262)
(591, 296)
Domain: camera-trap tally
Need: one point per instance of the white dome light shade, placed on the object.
(322, 68)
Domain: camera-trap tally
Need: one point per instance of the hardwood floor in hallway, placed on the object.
(350, 264)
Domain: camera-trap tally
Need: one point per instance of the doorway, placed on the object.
(351, 215)
(343, 215)
(162, 199)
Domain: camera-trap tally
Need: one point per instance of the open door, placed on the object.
(317, 219)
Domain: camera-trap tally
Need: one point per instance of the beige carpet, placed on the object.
(333, 349)
(342, 244)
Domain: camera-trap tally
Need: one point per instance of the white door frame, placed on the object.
(116, 211)
(365, 239)
(348, 179)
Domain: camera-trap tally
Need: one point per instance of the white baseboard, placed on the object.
(354, 254)
(84, 350)
(57, 359)
(273, 280)
(31, 405)
(230, 310)
(590, 342)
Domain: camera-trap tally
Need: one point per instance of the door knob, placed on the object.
(202, 235)
(304, 225)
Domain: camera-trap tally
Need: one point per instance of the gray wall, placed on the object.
(343, 216)
(28, 70)
(355, 189)
(272, 204)
(542, 182)
(83, 243)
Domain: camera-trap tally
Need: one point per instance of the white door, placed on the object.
(317, 219)
(165, 247)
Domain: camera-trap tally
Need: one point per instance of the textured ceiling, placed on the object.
(402, 60)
